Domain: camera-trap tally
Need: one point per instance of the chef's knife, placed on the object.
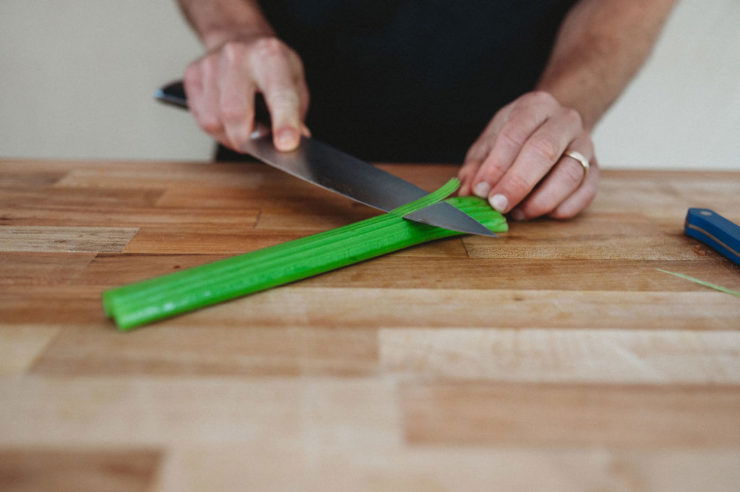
(325, 166)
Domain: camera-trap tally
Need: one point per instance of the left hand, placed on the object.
(518, 164)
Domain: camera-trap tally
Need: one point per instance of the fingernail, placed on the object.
(287, 139)
(482, 189)
(517, 215)
(499, 202)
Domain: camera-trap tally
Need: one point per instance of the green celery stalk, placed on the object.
(162, 297)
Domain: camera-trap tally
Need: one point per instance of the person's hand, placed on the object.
(221, 88)
(518, 162)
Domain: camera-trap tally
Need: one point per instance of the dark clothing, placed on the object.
(414, 80)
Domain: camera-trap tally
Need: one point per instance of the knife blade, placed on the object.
(334, 170)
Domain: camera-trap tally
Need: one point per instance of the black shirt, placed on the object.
(414, 80)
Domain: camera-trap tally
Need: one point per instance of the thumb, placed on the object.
(284, 106)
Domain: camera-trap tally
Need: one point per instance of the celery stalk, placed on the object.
(162, 297)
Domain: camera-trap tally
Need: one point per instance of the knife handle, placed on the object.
(715, 231)
(174, 95)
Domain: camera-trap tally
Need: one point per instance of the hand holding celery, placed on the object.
(162, 297)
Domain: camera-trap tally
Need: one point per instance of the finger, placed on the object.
(473, 160)
(562, 181)
(581, 198)
(193, 82)
(282, 92)
(283, 104)
(528, 114)
(539, 154)
(207, 108)
(236, 97)
(480, 150)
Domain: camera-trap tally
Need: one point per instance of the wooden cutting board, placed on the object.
(555, 357)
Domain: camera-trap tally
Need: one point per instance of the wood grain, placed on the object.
(564, 356)
(21, 345)
(71, 239)
(635, 416)
(63, 470)
(555, 357)
(347, 308)
(274, 351)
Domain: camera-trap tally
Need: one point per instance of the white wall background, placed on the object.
(76, 79)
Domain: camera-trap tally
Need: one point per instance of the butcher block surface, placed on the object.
(555, 357)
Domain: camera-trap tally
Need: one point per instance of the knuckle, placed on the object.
(573, 116)
(465, 173)
(491, 170)
(512, 137)
(476, 153)
(517, 186)
(546, 149)
(231, 111)
(209, 123)
(234, 50)
(192, 73)
(269, 47)
(207, 66)
(540, 97)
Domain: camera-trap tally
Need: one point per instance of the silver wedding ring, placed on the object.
(581, 160)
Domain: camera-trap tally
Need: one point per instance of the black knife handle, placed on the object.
(174, 95)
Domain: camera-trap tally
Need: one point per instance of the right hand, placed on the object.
(222, 84)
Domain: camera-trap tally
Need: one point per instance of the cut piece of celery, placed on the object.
(143, 302)
(703, 283)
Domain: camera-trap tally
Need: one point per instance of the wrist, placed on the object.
(568, 97)
(216, 37)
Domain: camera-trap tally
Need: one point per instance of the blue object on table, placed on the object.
(715, 231)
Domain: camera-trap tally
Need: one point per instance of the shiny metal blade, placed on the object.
(341, 173)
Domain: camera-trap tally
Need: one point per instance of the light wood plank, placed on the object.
(211, 351)
(537, 414)
(20, 345)
(668, 195)
(564, 356)
(165, 411)
(284, 467)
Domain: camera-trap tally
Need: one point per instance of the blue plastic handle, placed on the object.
(715, 231)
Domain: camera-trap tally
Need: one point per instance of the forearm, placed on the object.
(600, 47)
(216, 21)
